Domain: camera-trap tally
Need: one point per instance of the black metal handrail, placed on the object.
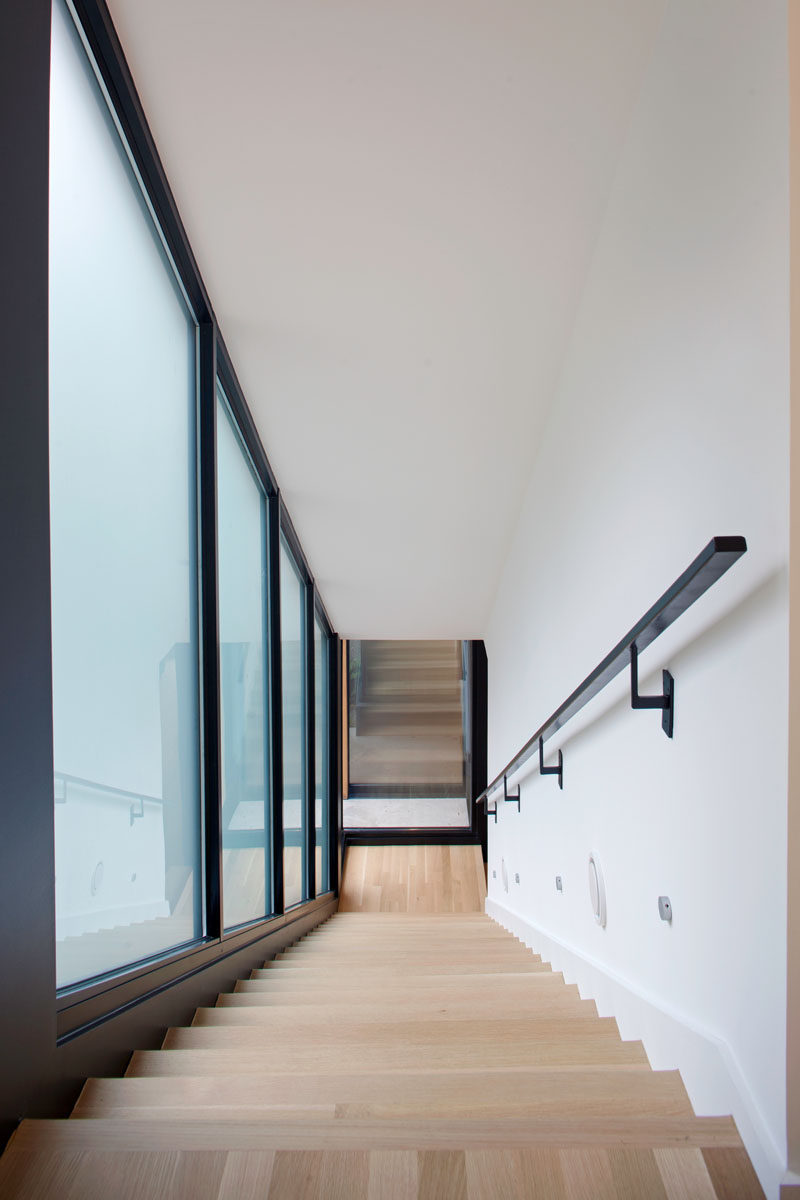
(711, 563)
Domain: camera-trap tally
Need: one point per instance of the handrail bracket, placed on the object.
(666, 702)
(559, 770)
(491, 812)
(511, 797)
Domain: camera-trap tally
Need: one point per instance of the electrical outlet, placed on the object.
(494, 874)
(516, 877)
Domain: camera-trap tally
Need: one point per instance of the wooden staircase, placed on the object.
(388, 1055)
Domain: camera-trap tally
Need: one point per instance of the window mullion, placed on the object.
(209, 605)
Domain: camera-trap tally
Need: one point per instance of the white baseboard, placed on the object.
(791, 1185)
(708, 1067)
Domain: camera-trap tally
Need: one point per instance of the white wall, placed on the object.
(670, 425)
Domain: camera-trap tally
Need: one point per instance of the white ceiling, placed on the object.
(393, 206)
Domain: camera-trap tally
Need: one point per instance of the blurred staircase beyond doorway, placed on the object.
(406, 735)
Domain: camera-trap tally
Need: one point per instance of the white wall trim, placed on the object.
(710, 1070)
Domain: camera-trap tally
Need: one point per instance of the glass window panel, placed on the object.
(294, 766)
(407, 765)
(123, 550)
(321, 789)
(241, 534)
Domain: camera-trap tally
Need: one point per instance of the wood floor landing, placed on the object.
(413, 879)
(392, 1056)
(544, 1174)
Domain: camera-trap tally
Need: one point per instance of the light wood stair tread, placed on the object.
(436, 1007)
(246, 1059)
(520, 1033)
(592, 1091)
(614, 1173)
(360, 1133)
(400, 983)
(387, 954)
(309, 1016)
(434, 969)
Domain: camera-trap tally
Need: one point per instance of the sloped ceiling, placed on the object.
(393, 206)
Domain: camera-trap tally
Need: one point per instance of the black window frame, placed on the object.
(269, 853)
(84, 1005)
(329, 648)
(289, 534)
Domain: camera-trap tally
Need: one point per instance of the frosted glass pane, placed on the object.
(321, 807)
(123, 553)
(293, 678)
(241, 533)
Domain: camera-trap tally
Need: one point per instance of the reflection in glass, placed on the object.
(294, 733)
(123, 550)
(321, 806)
(241, 539)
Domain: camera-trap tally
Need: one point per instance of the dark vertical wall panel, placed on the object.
(211, 765)
(479, 710)
(310, 755)
(276, 711)
(27, 900)
(335, 760)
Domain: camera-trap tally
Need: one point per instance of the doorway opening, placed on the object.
(407, 735)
